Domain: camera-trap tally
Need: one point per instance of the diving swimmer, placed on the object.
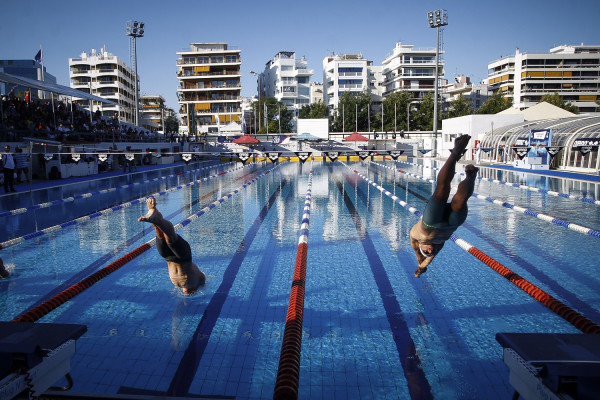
(440, 218)
(175, 250)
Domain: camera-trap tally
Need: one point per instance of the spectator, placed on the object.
(22, 164)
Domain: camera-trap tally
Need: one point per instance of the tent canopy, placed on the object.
(356, 137)
(246, 139)
(50, 87)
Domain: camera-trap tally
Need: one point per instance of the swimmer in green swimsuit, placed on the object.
(440, 218)
(175, 250)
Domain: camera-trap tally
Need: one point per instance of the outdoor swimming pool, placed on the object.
(370, 329)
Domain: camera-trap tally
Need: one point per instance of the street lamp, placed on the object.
(134, 30)
(408, 113)
(436, 19)
(259, 90)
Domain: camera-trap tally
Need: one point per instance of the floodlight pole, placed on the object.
(135, 29)
(436, 19)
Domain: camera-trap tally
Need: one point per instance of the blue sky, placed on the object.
(478, 32)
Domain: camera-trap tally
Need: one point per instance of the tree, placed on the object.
(459, 107)
(495, 104)
(171, 124)
(315, 110)
(558, 101)
(423, 116)
(277, 114)
(394, 111)
(352, 112)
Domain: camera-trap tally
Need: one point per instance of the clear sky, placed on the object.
(478, 32)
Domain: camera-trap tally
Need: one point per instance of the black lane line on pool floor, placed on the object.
(182, 380)
(551, 283)
(418, 385)
(103, 259)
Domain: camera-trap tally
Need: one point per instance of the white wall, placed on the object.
(318, 127)
(474, 125)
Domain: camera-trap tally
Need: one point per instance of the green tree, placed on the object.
(352, 113)
(171, 124)
(495, 104)
(459, 107)
(315, 110)
(276, 113)
(422, 118)
(395, 111)
(558, 101)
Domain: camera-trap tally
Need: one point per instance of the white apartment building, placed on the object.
(316, 92)
(153, 112)
(210, 88)
(104, 75)
(477, 94)
(572, 72)
(287, 79)
(344, 73)
(411, 69)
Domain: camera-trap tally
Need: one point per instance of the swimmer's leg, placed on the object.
(465, 189)
(160, 224)
(444, 179)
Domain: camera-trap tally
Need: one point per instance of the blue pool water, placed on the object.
(370, 330)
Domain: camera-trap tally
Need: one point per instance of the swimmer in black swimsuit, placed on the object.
(440, 218)
(175, 250)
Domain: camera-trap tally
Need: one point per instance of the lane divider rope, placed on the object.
(46, 307)
(544, 217)
(567, 313)
(288, 372)
(517, 185)
(99, 192)
(104, 212)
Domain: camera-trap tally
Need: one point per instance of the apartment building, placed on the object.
(411, 69)
(476, 94)
(316, 92)
(572, 72)
(153, 112)
(210, 88)
(104, 75)
(287, 78)
(345, 73)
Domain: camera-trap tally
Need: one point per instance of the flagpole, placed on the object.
(279, 119)
(42, 63)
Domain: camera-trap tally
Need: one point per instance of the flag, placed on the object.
(276, 118)
(38, 56)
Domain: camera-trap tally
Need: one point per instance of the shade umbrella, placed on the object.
(356, 137)
(246, 139)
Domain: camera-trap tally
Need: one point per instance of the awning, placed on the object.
(51, 87)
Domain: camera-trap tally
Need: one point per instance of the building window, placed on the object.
(230, 59)
(203, 60)
(302, 79)
(216, 59)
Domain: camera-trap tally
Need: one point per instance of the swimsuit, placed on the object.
(177, 252)
(439, 215)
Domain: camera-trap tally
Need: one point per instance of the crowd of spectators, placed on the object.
(61, 122)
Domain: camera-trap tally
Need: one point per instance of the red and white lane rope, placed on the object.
(567, 313)
(288, 373)
(46, 307)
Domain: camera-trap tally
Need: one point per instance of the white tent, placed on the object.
(540, 111)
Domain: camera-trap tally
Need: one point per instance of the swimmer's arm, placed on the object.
(415, 245)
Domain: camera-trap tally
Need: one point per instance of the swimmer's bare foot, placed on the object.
(460, 146)
(471, 170)
(151, 204)
(420, 271)
(3, 272)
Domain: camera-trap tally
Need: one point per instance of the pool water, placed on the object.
(370, 329)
